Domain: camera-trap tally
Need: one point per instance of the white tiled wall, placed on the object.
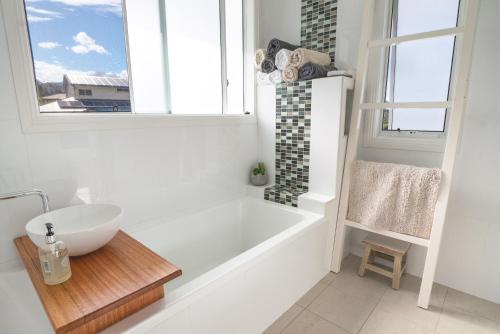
(150, 173)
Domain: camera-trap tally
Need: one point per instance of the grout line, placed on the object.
(293, 319)
(442, 309)
(371, 312)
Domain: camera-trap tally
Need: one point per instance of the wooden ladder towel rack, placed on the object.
(464, 34)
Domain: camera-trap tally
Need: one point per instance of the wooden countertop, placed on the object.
(107, 285)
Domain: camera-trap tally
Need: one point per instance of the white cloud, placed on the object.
(52, 72)
(49, 45)
(47, 72)
(111, 6)
(123, 74)
(35, 19)
(41, 15)
(40, 11)
(86, 44)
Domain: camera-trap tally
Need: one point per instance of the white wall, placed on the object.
(280, 19)
(151, 173)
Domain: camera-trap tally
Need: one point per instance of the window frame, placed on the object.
(15, 21)
(374, 136)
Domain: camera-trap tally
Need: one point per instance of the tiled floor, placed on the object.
(348, 304)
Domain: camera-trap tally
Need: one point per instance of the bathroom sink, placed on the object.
(84, 228)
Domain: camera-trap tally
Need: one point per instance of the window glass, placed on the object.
(419, 71)
(422, 69)
(432, 120)
(194, 56)
(74, 56)
(425, 15)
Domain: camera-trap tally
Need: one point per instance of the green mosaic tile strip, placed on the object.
(319, 25)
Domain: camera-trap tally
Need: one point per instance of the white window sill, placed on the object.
(88, 122)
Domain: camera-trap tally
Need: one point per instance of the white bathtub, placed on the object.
(244, 263)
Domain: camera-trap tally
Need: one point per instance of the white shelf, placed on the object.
(404, 237)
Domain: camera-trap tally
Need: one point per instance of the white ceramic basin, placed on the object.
(84, 228)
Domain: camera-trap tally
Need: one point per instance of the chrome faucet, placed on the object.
(24, 193)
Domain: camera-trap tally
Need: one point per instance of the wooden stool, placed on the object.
(386, 248)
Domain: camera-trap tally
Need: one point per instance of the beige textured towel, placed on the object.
(290, 74)
(398, 198)
(301, 56)
(260, 55)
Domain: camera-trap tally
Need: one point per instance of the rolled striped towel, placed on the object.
(290, 74)
(282, 59)
(263, 79)
(268, 65)
(260, 55)
(301, 56)
(275, 77)
(276, 44)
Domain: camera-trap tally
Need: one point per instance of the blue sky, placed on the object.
(76, 36)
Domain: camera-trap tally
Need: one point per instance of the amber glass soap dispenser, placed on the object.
(54, 259)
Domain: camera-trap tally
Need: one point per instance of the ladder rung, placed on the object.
(408, 238)
(406, 105)
(413, 37)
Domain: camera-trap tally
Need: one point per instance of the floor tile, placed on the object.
(370, 287)
(329, 278)
(310, 323)
(312, 294)
(462, 302)
(382, 322)
(456, 322)
(285, 319)
(350, 263)
(343, 309)
(402, 303)
(410, 286)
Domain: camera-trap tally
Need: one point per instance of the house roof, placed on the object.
(90, 80)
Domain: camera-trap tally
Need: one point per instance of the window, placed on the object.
(205, 56)
(85, 92)
(70, 49)
(136, 57)
(420, 70)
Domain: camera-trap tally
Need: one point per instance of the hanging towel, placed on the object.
(312, 71)
(282, 59)
(275, 77)
(301, 56)
(393, 197)
(260, 55)
(275, 45)
(290, 74)
(268, 65)
(263, 79)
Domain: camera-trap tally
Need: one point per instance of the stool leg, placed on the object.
(364, 261)
(396, 272)
(371, 258)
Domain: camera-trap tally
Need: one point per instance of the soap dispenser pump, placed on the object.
(54, 258)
